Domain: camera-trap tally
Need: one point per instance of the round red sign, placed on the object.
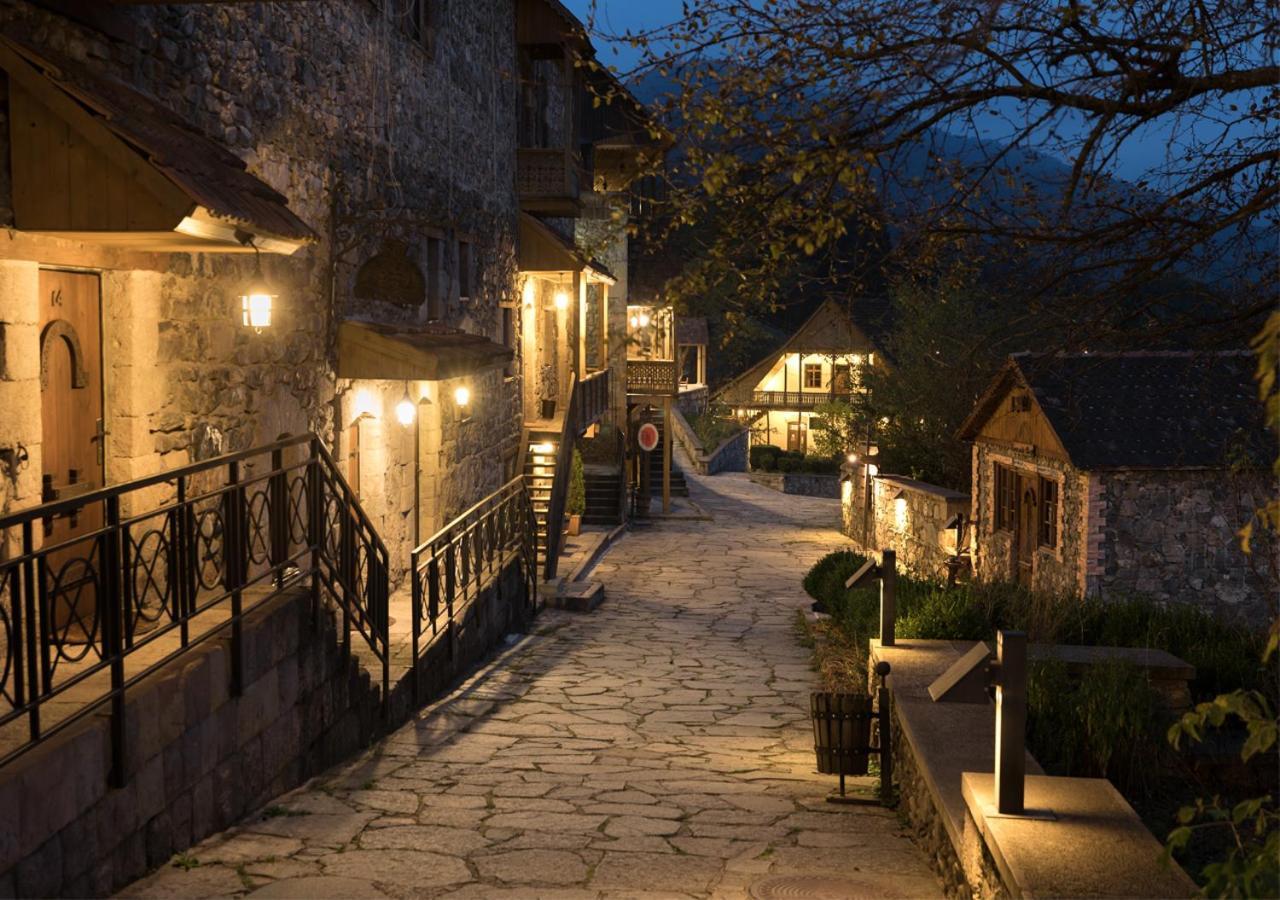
(648, 437)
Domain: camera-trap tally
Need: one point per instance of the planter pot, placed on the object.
(548, 409)
(841, 732)
(574, 528)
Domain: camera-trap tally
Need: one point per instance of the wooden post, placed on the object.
(666, 455)
(577, 315)
(1011, 721)
(888, 596)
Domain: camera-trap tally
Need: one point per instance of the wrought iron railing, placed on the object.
(460, 561)
(797, 399)
(178, 558)
(652, 376)
(560, 485)
(593, 399)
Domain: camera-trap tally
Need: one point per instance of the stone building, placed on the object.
(1124, 473)
(360, 155)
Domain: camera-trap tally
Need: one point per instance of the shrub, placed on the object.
(576, 502)
(819, 465)
(714, 425)
(764, 456)
(789, 464)
(930, 611)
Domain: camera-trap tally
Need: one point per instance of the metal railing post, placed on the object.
(416, 614)
(315, 526)
(278, 491)
(112, 623)
(888, 596)
(233, 561)
(1011, 721)
(885, 718)
(30, 593)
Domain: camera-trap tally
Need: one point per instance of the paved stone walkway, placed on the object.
(659, 746)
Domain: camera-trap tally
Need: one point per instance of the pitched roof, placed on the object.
(1141, 410)
(208, 173)
(829, 330)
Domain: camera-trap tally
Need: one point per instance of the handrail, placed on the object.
(187, 568)
(560, 484)
(452, 567)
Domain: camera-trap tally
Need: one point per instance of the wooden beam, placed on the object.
(666, 455)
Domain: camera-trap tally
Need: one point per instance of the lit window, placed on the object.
(813, 375)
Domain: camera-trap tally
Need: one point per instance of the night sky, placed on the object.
(1150, 146)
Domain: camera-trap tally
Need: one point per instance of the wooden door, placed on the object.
(796, 435)
(72, 435)
(1026, 533)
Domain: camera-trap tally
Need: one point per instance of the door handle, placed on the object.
(99, 437)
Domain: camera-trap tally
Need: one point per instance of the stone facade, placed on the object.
(803, 483)
(376, 141)
(1166, 534)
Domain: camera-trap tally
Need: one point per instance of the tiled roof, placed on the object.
(1151, 410)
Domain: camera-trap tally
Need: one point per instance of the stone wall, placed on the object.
(1170, 535)
(197, 759)
(376, 142)
(802, 483)
(905, 515)
(730, 456)
(1173, 535)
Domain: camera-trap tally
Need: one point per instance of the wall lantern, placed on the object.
(406, 409)
(644, 320)
(853, 458)
(562, 299)
(462, 395)
(635, 321)
(258, 298)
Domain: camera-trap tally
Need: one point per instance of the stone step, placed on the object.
(578, 596)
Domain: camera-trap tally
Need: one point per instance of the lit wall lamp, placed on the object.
(635, 321)
(644, 320)
(257, 300)
(462, 395)
(406, 409)
(562, 299)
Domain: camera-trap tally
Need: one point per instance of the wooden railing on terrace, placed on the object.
(652, 376)
(796, 399)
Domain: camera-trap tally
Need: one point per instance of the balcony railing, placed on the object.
(593, 399)
(83, 620)
(548, 179)
(795, 399)
(652, 376)
(461, 560)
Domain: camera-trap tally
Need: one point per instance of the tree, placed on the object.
(957, 124)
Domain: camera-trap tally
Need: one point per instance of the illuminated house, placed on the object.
(823, 361)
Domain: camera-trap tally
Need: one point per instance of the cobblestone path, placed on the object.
(659, 746)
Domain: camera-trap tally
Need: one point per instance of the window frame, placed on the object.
(805, 370)
(1005, 496)
(1047, 532)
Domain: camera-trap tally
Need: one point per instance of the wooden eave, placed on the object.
(992, 421)
(414, 353)
(541, 250)
(76, 177)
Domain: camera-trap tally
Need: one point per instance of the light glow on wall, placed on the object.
(527, 292)
(365, 403)
(900, 513)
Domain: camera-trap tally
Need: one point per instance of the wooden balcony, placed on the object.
(795, 399)
(654, 377)
(549, 180)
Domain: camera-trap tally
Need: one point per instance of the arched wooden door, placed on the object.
(72, 443)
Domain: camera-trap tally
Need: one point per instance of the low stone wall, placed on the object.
(198, 759)
(803, 483)
(729, 456)
(905, 515)
(692, 401)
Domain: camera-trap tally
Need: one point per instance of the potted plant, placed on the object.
(547, 390)
(576, 503)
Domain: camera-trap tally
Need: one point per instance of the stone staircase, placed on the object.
(539, 477)
(679, 487)
(604, 497)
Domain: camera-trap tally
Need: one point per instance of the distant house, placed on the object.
(824, 360)
(1123, 473)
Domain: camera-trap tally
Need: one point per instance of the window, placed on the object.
(841, 379)
(435, 279)
(813, 375)
(1006, 497)
(1048, 513)
(466, 270)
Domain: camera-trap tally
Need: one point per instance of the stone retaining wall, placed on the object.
(802, 483)
(198, 759)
